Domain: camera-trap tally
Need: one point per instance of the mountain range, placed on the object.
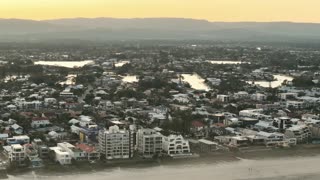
(104, 29)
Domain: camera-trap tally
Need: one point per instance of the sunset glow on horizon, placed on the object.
(212, 10)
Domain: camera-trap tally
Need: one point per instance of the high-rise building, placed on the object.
(17, 155)
(149, 142)
(115, 143)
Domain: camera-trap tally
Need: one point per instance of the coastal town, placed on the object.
(104, 104)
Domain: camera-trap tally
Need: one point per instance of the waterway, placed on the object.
(195, 81)
(121, 63)
(227, 62)
(130, 79)
(277, 83)
(67, 64)
(290, 168)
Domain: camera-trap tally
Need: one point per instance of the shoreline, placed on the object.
(208, 158)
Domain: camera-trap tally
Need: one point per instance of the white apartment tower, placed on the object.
(115, 143)
(17, 155)
(149, 142)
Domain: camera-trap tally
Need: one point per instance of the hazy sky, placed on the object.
(213, 10)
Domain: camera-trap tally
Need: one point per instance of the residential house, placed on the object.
(37, 122)
(240, 95)
(18, 140)
(271, 138)
(289, 95)
(90, 151)
(295, 104)
(223, 98)
(258, 97)
(61, 156)
(75, 153)
(239, 141)
(16, 129)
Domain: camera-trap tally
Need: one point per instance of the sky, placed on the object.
(212, 10)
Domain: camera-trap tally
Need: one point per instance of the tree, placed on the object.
(37, 135)
(302, 81)
(180, 123)
(89, 98)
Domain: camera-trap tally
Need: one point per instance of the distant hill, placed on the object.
(103, 29)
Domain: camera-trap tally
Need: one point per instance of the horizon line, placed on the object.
(186, 18)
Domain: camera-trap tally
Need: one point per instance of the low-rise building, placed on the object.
(294, 104)
(18, 140)
(74, 152)
(271, 138)
(41, 148)
(175, 145)
(241, 95)
(207, 146)
(91, 152)
(37, 122)
(258, 97)
(289, 95)
(61, 156)
(239, 141)
(223, 98)
(301, 132)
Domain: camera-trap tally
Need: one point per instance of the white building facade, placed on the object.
(61, 156)
(175, 145)
(149, 142)
(115, 143)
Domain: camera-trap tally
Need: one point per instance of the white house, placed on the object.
(306, 117)
(18, 140)
(12, 107)
(61, 156)
(239, 141)
(37, 122)
(175, 145)
(295, 104)
(75, 153)
(50, 101)
(17, 129)
(182, 98)
(285, 96)
(223, 98)
(271, 138)
(241, 95)
(23, 104)
(254, 113)
(214, 81)
(258, 97)
(85, 120)
(90, 152)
